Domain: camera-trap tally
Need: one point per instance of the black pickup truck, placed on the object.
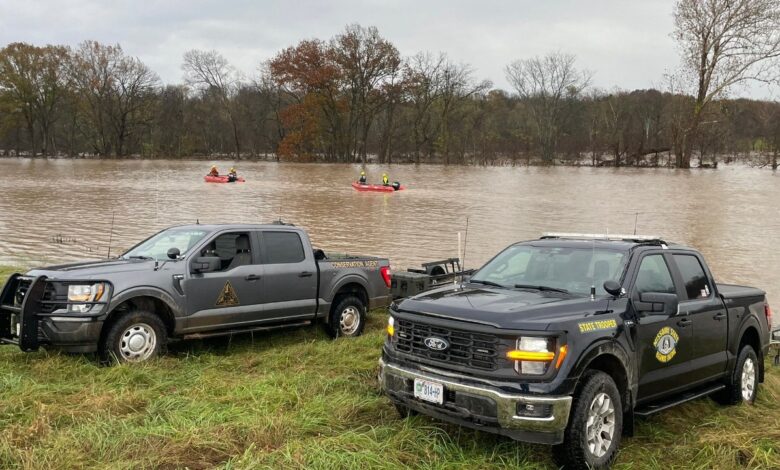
(566, 339)
(187, 282)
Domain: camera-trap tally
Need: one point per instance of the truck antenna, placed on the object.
(110, 236)
(636, 218)
(465, 244)
(593, 273)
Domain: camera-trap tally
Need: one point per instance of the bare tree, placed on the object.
(723, 43)
(209, 71)
(547, 84)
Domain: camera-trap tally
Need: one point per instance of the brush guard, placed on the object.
(19, 324)
(774, 347)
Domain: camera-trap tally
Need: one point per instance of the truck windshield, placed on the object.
(573, 270)
(157, 246)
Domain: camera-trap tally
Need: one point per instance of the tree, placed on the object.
(723, 43)
(546, 84)
(116, 94)
(209, 71)
(35, 80)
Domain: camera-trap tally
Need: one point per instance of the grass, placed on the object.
(295, 399)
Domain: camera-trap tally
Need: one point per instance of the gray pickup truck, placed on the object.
(188, 282)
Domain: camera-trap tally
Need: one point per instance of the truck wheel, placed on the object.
(743, 384)
(348, 317)
(136, 336)
(595, 425)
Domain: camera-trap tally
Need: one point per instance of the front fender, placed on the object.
(146, 291)
(611, 347)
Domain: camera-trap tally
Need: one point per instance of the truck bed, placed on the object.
(733, 291)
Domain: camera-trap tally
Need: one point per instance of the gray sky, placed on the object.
(626, 43)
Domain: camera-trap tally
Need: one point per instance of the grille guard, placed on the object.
(30, 312)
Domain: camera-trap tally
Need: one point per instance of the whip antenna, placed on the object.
(110, 236)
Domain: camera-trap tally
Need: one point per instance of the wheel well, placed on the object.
(150, 304)
(750, 337)
(612, 366)
(352, 288)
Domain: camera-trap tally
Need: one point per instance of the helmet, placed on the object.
(384, 174)
(213, 167)
(232, 169)
(362, 173)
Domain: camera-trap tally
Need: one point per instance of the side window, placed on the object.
(696, 284)
(233, 249)
(282, 247)
(654, 276)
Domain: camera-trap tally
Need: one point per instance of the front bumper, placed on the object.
(480, 406)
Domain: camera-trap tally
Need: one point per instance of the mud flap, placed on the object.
(28, 321)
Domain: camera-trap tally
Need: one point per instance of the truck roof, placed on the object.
(613, 242)
(215, 227)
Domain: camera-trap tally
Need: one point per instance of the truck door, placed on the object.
(664, 340)
(290, 281)
(231, 295)
(708, 313)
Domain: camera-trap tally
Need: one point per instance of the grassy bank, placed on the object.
(295, 399)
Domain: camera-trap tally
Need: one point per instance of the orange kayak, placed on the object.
(222, 179)
(376, 188)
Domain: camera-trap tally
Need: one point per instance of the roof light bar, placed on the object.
(601, 236)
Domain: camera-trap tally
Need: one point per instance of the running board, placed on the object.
(213, 334)
(648, 410)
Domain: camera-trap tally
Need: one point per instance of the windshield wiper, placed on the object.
(140, 257)
(541, 288)
(487, 283)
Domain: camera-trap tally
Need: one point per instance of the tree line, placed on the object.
(353, 98)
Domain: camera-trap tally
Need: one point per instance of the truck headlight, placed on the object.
(390, 326)
(84, 293)
(534, 355)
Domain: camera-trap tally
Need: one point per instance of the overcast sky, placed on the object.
(625, 43)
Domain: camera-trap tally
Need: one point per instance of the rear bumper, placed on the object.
(480, 407)
(379, 302)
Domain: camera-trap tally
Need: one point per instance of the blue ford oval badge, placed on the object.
(437, 344)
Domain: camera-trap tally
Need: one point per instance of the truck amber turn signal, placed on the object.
(533, 356)
(390, 326)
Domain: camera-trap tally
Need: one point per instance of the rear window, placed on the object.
(696, 285)
(282, 247)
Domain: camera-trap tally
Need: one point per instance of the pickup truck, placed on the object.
(191, 281)
(566, 339)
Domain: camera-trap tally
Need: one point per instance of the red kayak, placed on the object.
(376, 188)
(221, 179)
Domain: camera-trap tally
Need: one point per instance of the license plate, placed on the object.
(429, 391)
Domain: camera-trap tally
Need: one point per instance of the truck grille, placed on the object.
(465, 348)
(49, 294)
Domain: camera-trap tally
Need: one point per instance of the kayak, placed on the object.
(376, 188)
(221, 179)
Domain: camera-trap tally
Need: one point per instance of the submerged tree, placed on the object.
(723, 43)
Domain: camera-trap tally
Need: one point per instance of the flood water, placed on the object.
(62, 210)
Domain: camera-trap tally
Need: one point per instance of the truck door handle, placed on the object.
(684, 322)
(306, 274)
(252, 277)
(720, 316)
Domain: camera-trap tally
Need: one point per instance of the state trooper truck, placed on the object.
(565, 340)
(192, 281)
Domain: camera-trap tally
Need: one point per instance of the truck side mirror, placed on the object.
(613, 288)
(206, 264)
(657, 303)
(319, 255)
(174, 253)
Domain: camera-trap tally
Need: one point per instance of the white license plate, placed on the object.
(429, 391)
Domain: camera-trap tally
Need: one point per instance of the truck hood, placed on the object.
(518, 309)
(93, 269)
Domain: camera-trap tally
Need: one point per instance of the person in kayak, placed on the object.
(385, 180)
(362, 179)
(214, 171)
(232, 175)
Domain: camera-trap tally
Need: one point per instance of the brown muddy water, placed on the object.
(61, 210)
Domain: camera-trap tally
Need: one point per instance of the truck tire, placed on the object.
(134, 336)
(595, 425)
(743, 383)
(347, 318)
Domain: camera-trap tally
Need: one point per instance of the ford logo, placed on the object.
(437, 344)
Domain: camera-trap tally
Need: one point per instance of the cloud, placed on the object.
(626, 43)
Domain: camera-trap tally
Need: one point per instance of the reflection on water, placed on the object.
(61, 210)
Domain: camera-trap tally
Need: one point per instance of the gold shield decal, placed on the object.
(228, 296)
(665, 343)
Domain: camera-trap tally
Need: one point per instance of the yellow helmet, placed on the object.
(213, 167)
(362, 173)
(384, 174)
(232, 169)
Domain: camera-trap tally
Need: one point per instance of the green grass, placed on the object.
(295, 399)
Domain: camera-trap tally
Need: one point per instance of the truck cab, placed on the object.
(565, 339)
